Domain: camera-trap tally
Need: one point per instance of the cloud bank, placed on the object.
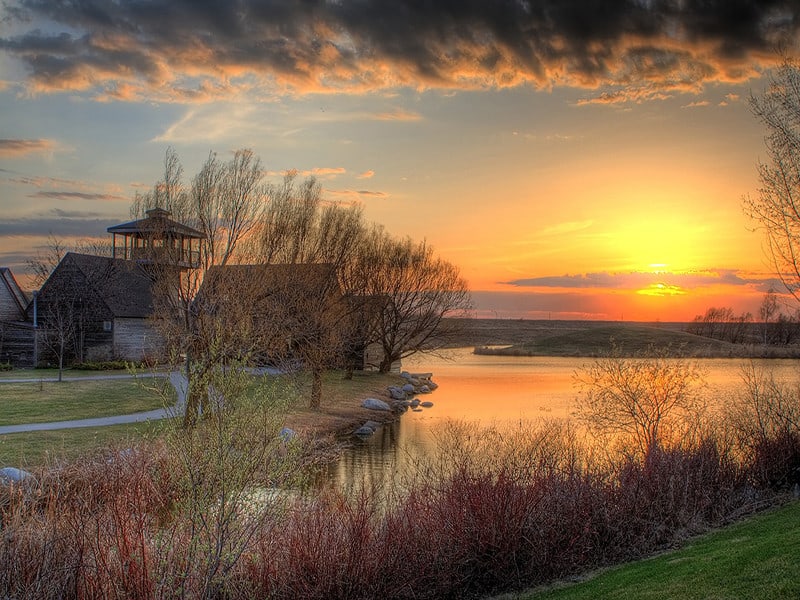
(651, 282)
(184, 51)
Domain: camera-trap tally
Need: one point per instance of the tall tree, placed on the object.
(415, 292)
(776, 208)
(311, 244)
(224, 202)
(767, 311)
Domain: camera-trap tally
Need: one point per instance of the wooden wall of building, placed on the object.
(137, 339)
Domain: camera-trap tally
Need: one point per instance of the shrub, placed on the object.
(766, 421)
(106, 365)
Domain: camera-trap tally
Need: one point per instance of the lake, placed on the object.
(501, 390)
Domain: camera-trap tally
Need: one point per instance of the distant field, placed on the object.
(593, 338)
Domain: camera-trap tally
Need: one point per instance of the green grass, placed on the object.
(41, 374)
(40, 402)
(753, 560)
(42, 448)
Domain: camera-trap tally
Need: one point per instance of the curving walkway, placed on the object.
(177, 379)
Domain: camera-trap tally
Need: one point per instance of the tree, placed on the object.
(415, 291)
(767, 310)
(309, 246)
(776, 208)
(646, 399)
(68, 309)
(224, 202)
(48, 256)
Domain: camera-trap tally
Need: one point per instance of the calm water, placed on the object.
(500, 390)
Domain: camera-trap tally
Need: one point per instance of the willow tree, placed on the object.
(223, 202)
(414, 292)
(776, 207)
(303, 247)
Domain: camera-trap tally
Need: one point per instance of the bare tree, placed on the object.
(224, 202)
(646, 399)
(776, 208)
(311, 244)
(69, 310)
(415, 291)
(48, 256)
(767, 311)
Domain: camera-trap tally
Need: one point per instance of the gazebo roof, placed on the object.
(157, 222)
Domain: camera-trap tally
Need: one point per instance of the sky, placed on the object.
(575, 159)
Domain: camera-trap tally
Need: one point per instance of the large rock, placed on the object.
(397, 393)
(9, 475)
(287, 435)
(375, 404)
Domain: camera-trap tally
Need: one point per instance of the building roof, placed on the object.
(122, 285)
(156, 223)
(20, 298)
(259, 282)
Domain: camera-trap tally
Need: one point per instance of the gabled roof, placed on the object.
(157, 222)
(122, 285)
(20, 298)
(262, 281)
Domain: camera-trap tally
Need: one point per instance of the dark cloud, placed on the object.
(63, 195)
(11, 147)
(192, 50)
(58, 226)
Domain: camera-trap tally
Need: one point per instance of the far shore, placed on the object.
(523, 337)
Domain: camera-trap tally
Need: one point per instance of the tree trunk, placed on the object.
(386, 363)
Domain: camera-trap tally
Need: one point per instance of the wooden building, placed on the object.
(16, 335)
(97, 308)
(101, 306)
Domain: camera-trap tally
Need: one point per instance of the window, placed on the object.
(107, 325)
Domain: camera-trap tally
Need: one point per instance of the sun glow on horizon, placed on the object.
(662, 289)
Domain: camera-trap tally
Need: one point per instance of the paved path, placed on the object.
(176, 378)
(178, 381)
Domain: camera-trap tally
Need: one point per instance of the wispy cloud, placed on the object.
(58, 224)
(10, 148)
(398, 115)
(357, 194)
(645, 282)
(323, 172)
(199, 51)
(66, 195)
(698, 104)
(366, 174)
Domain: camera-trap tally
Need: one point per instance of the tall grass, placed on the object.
(208, 513)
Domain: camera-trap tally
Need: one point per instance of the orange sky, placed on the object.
(576, 160)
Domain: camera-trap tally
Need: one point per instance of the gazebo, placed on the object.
(157, 240)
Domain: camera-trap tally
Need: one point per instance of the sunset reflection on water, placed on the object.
(497, 391)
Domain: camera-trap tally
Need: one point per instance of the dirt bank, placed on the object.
(341, 412)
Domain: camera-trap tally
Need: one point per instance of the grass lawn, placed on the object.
(40, 402)
(41, 448)
(39, 374)
(753, 560)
